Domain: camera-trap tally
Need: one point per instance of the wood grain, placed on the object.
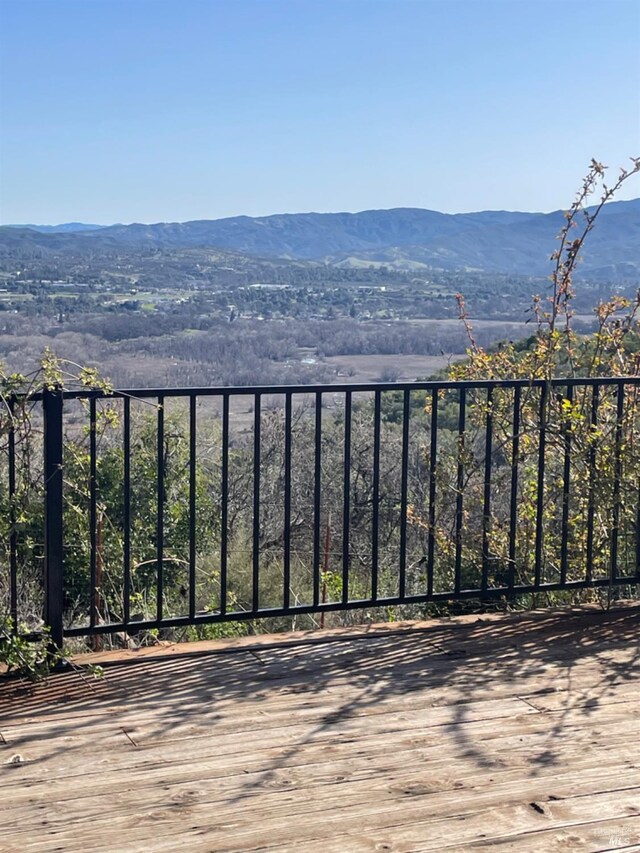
(509, 732)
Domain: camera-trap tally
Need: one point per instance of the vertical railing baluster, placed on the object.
(617, 480)
(126, 510)
(317, 486)
(595, 401)
(160, 463)
(192, 503)
(13, 536)
(287, 500)
(632, 431)
(93, 516)
(542, 443)
(375, 518)
(513, 503)
(256, 502)
(486, 510)
(637, 531)
(433, 449)
(404, 486)
(566, 482)
(224, 508)
(346, 497)
(52, 406)
(462, 410)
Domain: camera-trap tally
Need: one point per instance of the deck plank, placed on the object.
(513, 732)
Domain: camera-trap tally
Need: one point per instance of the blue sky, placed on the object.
(150, 110)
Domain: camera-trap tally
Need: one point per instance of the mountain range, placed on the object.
(401, 238)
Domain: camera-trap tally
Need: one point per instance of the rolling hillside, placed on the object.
(404, 238)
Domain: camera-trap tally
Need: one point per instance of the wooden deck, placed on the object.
(518, 733)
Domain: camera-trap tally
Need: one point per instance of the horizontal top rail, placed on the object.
(344, 387)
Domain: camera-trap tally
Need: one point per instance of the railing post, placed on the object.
(53, 532)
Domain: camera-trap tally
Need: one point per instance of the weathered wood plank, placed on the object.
(504, 754)
(460, 731)
(514, 733)
(431, 819)
(272, 794)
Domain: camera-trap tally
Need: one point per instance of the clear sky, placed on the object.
(168, 110)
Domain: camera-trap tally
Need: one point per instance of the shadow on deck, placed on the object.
(518, 732)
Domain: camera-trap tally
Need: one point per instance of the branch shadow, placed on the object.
(426, 683)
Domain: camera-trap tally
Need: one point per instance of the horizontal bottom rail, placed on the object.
(354, 604)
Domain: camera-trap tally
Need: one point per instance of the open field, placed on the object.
(373, 368)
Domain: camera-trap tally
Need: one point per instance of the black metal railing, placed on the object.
(179, 507)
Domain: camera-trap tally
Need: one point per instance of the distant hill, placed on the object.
(404, 238)
(64, 228)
